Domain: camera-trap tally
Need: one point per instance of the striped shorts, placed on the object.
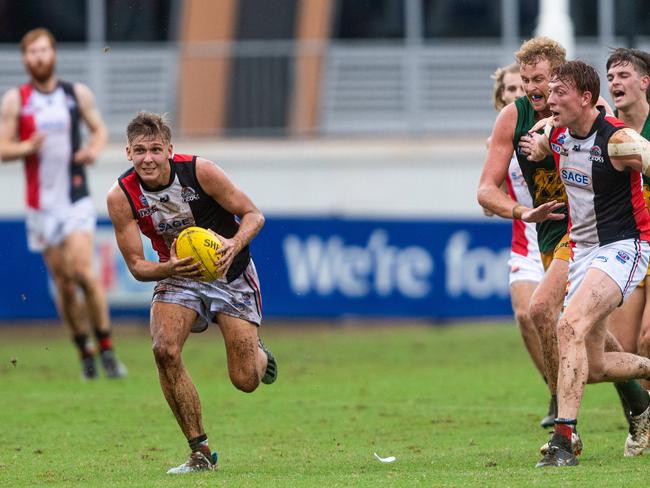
(240, 298)
(625, 262)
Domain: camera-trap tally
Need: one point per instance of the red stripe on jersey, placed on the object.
(182, 158)
(641, 215)
(519, 241)
(27, 127)
(132, 186)
(614, 121)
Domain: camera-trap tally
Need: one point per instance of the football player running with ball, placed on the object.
(162, 194)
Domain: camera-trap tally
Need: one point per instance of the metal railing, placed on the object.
(369, 89)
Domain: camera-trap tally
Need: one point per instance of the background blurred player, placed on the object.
(40, 123)
(160, 196)
(526, 269)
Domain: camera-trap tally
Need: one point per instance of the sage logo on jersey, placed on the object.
(622, 257)
(575, 177)
(327, 265)
(174, 225)
(595, 155)
(188, 194)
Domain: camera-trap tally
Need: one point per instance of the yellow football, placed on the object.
(203, 246)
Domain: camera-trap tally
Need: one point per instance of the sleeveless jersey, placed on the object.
(605, 205)
(53, 179)
(542, 179)
(163, 213)
(524, 234)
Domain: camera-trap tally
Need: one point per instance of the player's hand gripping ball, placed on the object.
(203, 246)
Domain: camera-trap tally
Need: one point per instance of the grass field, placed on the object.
(457, 406)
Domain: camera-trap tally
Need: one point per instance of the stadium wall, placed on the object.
(354, 228)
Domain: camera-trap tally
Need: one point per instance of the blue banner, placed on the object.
(315, 267)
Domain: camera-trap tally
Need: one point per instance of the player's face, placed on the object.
(39, 59)
(150, 156)
(535, 78)
(513, 88)
(564, 101)
(626, 86)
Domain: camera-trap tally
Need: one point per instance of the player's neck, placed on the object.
(635, 115)
(582, 125)
(46, 86)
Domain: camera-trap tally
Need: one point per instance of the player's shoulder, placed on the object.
(11, 99)
(614, 122)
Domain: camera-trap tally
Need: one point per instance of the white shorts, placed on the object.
(525, 268)
(240, 298)
(626, 262)
(47, 228)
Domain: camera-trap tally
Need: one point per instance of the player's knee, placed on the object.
(571, 330)
(245, 379)
(539, 315)
(166, 353)
(83, 276)
(522, 316)
(64, 285)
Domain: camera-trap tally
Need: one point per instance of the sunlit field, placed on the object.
(456, 406)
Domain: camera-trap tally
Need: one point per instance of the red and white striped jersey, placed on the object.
(524, 234)
(162, 213)
(53, 180)
(605, 205)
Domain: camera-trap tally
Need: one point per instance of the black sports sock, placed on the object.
(633, 397)
(85, 350)
(199, 443)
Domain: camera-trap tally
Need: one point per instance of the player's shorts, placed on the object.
(47, 228)
(626, 262)
(642, 284)
(561, 251)
(525, 268)
(240, 298)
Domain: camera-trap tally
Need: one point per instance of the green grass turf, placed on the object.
(457, 406)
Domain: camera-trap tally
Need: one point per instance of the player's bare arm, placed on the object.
(93, 119)
(128, 239)
(10, 147)
(627, 149)
(216, 183)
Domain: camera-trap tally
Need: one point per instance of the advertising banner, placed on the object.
(314, 268)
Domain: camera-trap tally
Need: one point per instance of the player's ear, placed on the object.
(128, 153)
(645, 82)
(171, 148)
